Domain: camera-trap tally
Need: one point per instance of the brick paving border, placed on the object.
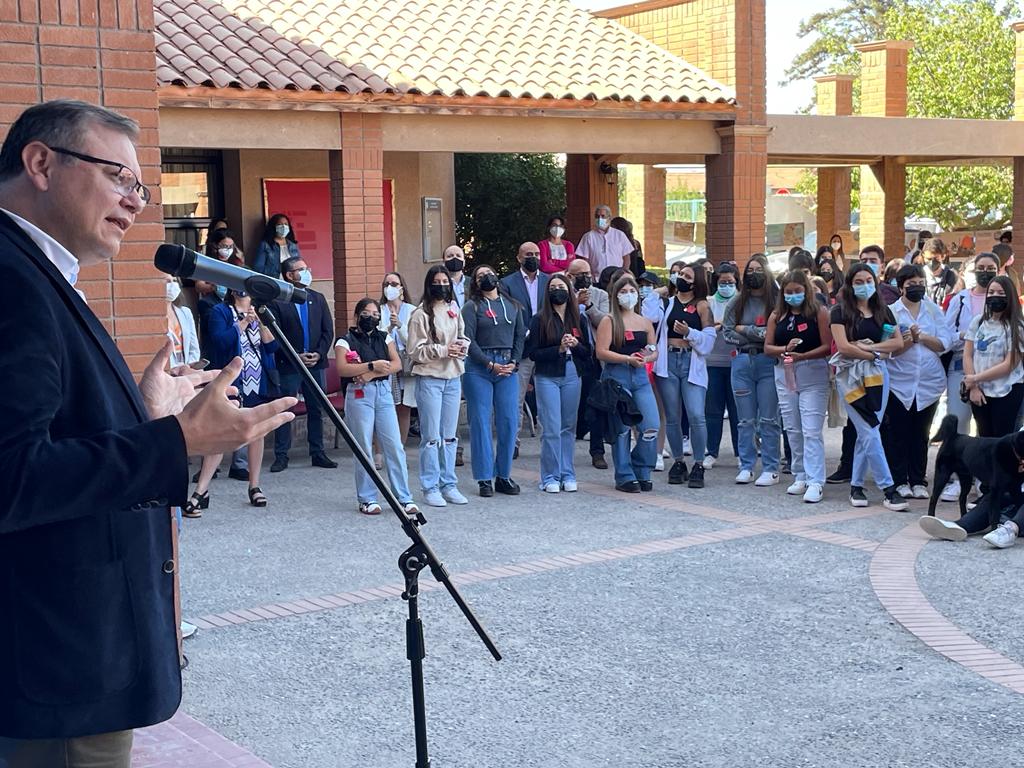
(894, 579)
(184, 742)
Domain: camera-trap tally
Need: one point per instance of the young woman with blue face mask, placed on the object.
(799, 335)
(719, 398)
(276, 246)
(859, 323)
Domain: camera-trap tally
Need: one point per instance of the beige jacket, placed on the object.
(430, 358)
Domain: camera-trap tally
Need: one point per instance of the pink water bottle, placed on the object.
(789, 372)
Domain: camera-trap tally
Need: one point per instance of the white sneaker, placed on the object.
(552, 488)
(709, 461)
(938, 528)
(1002, 537)
(951, 492)
(452, 495)
(798, 487)
(188, 630)
(813, 494)
(434, 499)
(687, 448)
(569, 486)
(745, 476)
(767, 478)
(659, 464)
(919, 492)
(665, 454)
(905, 491)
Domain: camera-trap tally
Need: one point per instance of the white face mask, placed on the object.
(557, 231)
(173, 291)
(628, 299)
(282, 230)
(392, 292)
(602, 223)
(225, 253)
(305, 278)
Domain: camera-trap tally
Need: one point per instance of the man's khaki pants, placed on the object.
(104, 750)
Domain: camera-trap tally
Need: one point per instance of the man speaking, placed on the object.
(89, 462)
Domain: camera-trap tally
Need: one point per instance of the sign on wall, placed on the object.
(307, 204)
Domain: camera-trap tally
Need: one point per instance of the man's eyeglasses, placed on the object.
(125, 181)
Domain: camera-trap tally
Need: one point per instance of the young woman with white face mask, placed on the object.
(555, 251)
(625, 344)
(181, 326)
(395, 310)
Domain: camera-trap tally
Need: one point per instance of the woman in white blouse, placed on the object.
(181, 327)
(395, 310)
(916, 382)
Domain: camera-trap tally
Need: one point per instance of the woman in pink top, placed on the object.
(555, 253)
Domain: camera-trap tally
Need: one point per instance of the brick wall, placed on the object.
(883, 78)
(101, 51)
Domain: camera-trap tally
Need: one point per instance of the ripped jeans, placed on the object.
(757, 405)
(638, 463)
(438, 403)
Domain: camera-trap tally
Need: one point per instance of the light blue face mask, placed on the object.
(645, 291)
(282, 230)
(794, 299)
(221, 292)
(727, 291)
(864, 291)
(873, 267)
(893, 282)
(305, 278)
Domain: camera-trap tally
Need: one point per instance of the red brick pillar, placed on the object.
(735, 194)
(883, 186)
(357, 213)
(834, 96)
(100, 52)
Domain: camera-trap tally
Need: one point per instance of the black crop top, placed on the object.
(798, 327)
(631, 346)
(862, 328)
(684, 313)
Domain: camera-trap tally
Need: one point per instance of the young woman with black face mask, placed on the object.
(753, 373)
(437, 347)
(558, 344)
(961, 311)
(916, 382)
(366, 357)
(829, 271)
(494, 327)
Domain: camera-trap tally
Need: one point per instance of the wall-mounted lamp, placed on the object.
(609, 172)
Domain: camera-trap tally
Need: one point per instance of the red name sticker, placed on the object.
(691, 309)
(576, 332)
(451, 313)
(490, 313)
(359, 394)
(629, 335)
(759, 320)
(801, 327)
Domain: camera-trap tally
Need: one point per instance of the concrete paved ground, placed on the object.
(747, 634)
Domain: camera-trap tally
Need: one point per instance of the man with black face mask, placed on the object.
(455, 263)
(527, 286)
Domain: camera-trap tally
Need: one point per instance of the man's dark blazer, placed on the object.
(515, 286)
(89, 640)
(321, 328)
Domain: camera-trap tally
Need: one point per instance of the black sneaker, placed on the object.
(486, 488)
(784, 468)
(280, 464)
(696, 476)
(515, 453)
(322, 460)
(646, 485)
(678, 474)
(506, 485)
(236, 473)
(857, 497)
(631, 486)
(841, 475)
(893, 500)
(459, 461)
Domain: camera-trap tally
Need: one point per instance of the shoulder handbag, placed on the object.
(947, 357)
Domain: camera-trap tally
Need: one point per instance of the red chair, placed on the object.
(332, 387)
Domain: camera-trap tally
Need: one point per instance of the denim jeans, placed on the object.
(558, 398)
(290, 385)
(438, 403)
(869, 452)
(954, 405)
(491, 397)
(719, 400)
(374, 413)
(677, 393)
(803, 416)
(240, 458)
(757, 406)
(638, 463)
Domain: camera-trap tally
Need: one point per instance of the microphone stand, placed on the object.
(413, 560)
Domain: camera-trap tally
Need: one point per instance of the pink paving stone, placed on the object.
(203, 624)
(232, 618)
(247, 615)
(309, 605)
(264, 613)
(392, 590)
(278, 610)
(322, 602)
(216, 621)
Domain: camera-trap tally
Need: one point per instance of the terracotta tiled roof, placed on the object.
(512, 48)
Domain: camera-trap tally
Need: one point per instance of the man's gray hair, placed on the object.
(61, 123)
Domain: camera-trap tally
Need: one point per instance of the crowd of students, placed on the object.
(612, 350)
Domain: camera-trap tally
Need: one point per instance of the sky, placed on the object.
(783, 18)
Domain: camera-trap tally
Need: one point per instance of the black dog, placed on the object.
(998, 462)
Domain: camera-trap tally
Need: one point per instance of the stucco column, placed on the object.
(883, 186)
(357, 213)
(585, 188)
(735, 194)
(653, 238)
(834, 96)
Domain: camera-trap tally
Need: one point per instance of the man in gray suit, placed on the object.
(527, 286)
(593, 303)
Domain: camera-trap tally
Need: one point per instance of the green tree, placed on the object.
(504, 200)
(961, 67)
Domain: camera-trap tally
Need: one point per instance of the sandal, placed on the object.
(256, 497)
(196, 504)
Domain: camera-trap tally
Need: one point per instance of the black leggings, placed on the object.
(998, 416)
(905, 434)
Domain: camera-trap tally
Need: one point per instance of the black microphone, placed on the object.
(178, 260)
